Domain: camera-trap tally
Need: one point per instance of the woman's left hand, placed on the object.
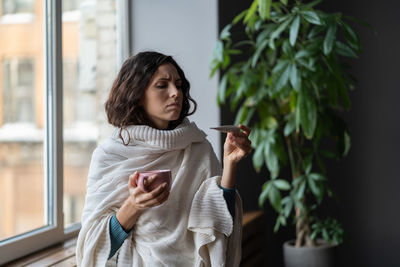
(237, 145)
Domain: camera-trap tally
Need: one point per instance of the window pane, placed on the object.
(89, 67)
(22, 206)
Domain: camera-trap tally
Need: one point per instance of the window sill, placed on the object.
(62, 254)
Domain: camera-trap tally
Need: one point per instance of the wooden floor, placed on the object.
(64, 254)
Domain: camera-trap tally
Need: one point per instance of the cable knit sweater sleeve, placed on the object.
(117, 235)
(230, 197)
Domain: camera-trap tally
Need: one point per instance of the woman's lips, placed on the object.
(174, 105)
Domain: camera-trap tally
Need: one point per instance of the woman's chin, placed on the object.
(175, 115)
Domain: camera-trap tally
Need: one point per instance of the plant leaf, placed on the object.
(255, 137)
(316, 177)
(275, 34)
(329, 39)
(344, 50)
(264, 194)
(227, 60)
(258, 158)
(219, 51)
(290, 126)
(315, 188)
(347, 144)
(241, 114)
(312, 4)
(300, 191)
(325, 234)
(311, 17)
(275, 198)
(271, 159)
(222, 89)
(282, 220)
(264, 8)
(277, 225)
(251, 11)
(351, 37)
(259, 49)
(282, 184)
(239, 17)
(244, 115)
(270, 122)
(314, 235)
(315, 31)
(302, 53)
(225, 33)
(294, 30)
(307, 164)
(215, 65)
(287, 203)
(294, 77)
(234, 52)
(280, 66)
(308, 113)
(282, 77)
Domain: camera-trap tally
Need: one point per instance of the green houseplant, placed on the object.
(289, 82)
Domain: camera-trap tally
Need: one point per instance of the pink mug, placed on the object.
(162, 176)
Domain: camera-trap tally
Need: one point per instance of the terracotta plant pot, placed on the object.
(322, 255)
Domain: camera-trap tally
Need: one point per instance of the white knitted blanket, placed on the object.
(192, 228)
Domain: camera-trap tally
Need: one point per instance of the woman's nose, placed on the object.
(174, 91)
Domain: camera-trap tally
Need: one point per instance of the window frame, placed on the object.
(26, 243)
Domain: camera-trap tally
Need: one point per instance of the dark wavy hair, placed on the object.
(123, 106)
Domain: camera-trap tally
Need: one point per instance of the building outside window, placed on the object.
(17, 6)
(18, 91)
(17, 11)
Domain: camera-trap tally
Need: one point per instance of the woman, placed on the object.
(195, 223)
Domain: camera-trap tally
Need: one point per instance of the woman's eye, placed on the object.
(161, 85)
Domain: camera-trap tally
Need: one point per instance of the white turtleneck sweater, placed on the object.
(192, 228)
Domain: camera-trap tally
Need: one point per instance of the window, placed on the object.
(55, 75)
(21, 124)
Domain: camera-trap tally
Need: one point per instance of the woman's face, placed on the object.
(162, 99)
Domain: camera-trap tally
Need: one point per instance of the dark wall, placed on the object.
(367, 181)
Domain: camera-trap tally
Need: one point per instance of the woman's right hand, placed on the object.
(143, 200)
(139, 201)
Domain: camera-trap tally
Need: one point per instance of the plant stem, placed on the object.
(291, 158)
(298, 145)
(303, 231)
